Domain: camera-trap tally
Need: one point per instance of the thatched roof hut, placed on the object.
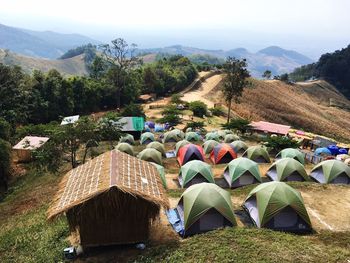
(111, 199)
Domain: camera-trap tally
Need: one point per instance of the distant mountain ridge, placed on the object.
(273, 58)
(45, 44)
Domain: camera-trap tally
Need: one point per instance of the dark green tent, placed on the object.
(292, 153)
(287, 169)
(194, 172)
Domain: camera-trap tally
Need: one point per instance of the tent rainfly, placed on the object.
(223, 153)
(258, 154)
(239, 146)
(147, 138)
(287, 169)
(128, 138)
(173, 136)
(158, 146)
(190, 152)
(151, 155)
(331, 172)
(195, 172)
(125, 148)
(242, 171)
(161, 171)
(209, 145)
(212, 136)
(230, 138)
(179, 144)
(70, 120)
(291, 153)
(192, 137)
(93, 194)
(277, 206)
(204, 207)
(24, 148)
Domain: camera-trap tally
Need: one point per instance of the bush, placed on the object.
(198, 108)
(176, 99)
(172, 119)
(5, 164)
(217, 111)
(133, 110)
(239, 124)
(171, 110)
(278, 143)
(5, 130)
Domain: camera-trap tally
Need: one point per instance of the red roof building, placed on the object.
(268, 127)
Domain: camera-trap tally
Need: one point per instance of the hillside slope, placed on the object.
(304, 106)
(70, 66)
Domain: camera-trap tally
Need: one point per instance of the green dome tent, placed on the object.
(192, 136)
(195, 172)
(209, 145)
(242, 171)
(128, 138)
(161, 172)
(189, 129)
(292, 153)
(277, 206)
(240, 146)
(151, 155)
(287, 169)
(331, 172)
(204, 207)
(179, 144)
(230, 138)
(125, 148)
(258, 154)
(147, 138)
(228, 132)
(212, 136)
(173, 136)
(221, 134)
(158, 146)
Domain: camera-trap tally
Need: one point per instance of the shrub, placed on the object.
(172, 119)
(278, 143)
(198, 108)
(5, 164)
(5, 130)
(238, 124)
(133, 110)
(176, 98)
(217, 111)
(195, 125)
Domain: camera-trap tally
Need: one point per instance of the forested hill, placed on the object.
(332, 67)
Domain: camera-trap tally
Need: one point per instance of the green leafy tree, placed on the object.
(120, 58)
(5, 164)
(236, 80)
(110, 128)
(198, 108)
(5, 129)
(171, 115)
(238, 124)
(133, 110)
(217, 111)
(278, 143)
(267, 74)
(194, 125)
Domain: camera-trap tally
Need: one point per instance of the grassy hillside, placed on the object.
(304, 106)
(71, 66)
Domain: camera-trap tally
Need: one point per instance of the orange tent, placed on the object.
(223, 153)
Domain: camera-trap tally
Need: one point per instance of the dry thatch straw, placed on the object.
(110, 199)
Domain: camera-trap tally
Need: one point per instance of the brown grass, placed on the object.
(301, 106)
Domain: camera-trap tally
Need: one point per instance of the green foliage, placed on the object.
(171, 115)
(235, 81)
(109, 128)
(278, 143)
(238, 124)
(176, 98)
(217, 111)
(5, 164)
(198, 108)
(267, 74)
(133, 110)
(5, 130)
(195, 125)
(303, 73)
(88, 50)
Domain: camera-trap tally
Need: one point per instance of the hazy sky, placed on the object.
(308, 26)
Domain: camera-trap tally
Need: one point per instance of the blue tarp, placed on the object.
(175, 221)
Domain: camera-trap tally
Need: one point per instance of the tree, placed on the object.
(284, 78)
(5, 164)
(133, 110)
(235, 81)
(238, 124)
(109, 128)
(278, 143)
(121, 59)
(171, 115)
(198, 108)
(267, 74)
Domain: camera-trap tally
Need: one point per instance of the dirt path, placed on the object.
(204, 89)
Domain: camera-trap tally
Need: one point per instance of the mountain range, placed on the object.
(50, 45)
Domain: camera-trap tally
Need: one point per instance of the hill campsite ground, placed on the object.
(26, 236)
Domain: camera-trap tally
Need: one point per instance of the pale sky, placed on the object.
(308, 26)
